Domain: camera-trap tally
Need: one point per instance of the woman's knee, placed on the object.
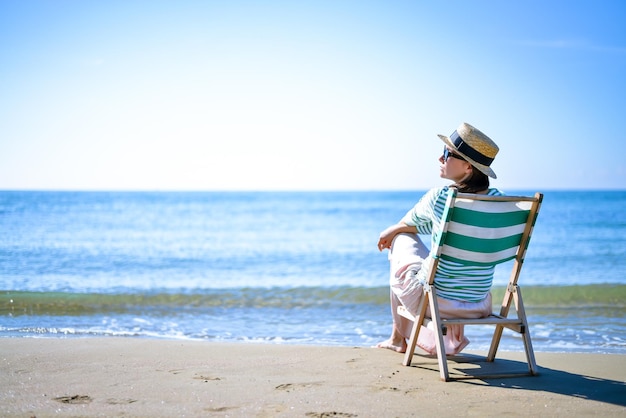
(404, 242)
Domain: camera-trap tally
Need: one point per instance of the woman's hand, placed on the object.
(387, 236)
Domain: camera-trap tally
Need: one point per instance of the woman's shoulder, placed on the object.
(438, 191)
(442, 192)
(432, 197)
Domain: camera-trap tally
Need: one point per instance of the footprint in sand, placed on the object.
(221, 409)
(386, 388)
(75, 399)
(292, 386)
(206, 378)
(112, 401)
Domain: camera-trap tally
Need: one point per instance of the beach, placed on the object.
(135, 377)
(145, 305)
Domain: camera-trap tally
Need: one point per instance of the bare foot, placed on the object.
(397, 346)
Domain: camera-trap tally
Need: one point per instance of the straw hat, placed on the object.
(473, 145)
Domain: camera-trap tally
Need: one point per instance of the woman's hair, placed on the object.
(474, 183)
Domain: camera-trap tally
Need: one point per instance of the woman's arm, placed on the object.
(387, 236)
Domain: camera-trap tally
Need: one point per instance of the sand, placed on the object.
(134, 377)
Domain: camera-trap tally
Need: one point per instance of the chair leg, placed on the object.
(495, 342)
(528, 346)
(410, 349)
(415, 330)
(441, 350)
(497, 335)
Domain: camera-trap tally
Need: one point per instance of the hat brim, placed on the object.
(483, 168)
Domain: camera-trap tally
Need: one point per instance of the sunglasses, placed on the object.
(447, 154)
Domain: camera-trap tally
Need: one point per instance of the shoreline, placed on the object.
(115, 376)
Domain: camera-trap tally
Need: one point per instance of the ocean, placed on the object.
(280, 267)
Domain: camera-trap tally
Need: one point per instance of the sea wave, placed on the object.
(73, 303)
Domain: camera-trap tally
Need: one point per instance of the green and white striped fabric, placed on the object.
(453, 280)
(483, 232)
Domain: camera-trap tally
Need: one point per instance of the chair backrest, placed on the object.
(486, 230)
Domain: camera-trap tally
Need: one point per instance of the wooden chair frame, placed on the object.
(500, 320)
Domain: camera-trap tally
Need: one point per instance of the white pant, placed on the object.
(406, 257)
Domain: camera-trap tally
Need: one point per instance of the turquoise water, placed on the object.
(279, 267)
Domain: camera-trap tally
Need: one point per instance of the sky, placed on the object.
(308, 95)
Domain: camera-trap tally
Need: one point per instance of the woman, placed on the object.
(467, 156)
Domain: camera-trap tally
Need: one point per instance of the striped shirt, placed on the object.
(453, 281)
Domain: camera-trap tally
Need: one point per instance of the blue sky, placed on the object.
(307, 95)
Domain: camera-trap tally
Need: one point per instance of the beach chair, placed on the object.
(478, 230)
